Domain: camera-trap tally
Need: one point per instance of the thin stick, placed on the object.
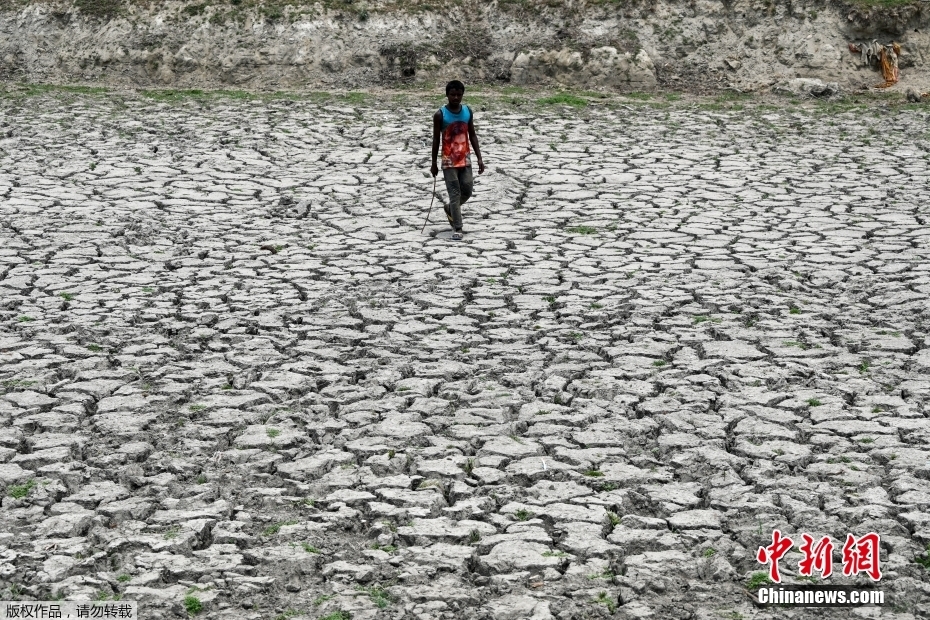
(430, 205)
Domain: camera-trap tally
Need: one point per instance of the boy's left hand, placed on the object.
(480, 166)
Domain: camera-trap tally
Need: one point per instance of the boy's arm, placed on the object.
(474, 142)
(437, 127)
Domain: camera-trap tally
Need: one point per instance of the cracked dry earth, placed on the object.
(233, 368)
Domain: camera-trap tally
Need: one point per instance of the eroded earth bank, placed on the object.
(628, 46)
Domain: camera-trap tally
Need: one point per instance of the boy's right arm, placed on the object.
(437, 127)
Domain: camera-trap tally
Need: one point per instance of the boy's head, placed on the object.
(455, 85)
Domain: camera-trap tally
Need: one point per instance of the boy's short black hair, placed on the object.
(455, 85)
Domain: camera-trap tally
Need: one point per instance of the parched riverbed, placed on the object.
(235, 375)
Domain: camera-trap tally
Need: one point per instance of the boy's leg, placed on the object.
(466, 184)
(451, 177)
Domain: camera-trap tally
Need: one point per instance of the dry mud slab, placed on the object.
(235, 371)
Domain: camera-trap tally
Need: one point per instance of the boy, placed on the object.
(456, 123)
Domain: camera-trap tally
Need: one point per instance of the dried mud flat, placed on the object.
(233, 369)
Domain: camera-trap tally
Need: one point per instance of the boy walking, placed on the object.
(456, 123)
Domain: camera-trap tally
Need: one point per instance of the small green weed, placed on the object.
(193, 605)
(271, 530)
(606, 601)
(758, 579)
(554, 554)
(21, 491)
(593, 473)
(523, 514)
(378, 595)
(581, 230)
(604, 574)
(924, 560)
(813, 402)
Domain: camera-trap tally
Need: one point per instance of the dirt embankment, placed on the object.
(677, 44)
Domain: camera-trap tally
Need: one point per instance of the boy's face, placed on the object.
(455, 97)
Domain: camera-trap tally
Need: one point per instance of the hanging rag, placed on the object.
(885, 56)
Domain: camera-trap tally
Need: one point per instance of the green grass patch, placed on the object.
(180, 95)
(192, 605)
(581, 230)
(104, 9)
(888, 4)
(757, 580)
(604, 574)
(355, 98)
(378, 595)
(523, 514)
(563, 99)
(271, 530)
(21, 491)
(606, 601)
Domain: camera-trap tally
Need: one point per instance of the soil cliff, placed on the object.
(637, 45)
